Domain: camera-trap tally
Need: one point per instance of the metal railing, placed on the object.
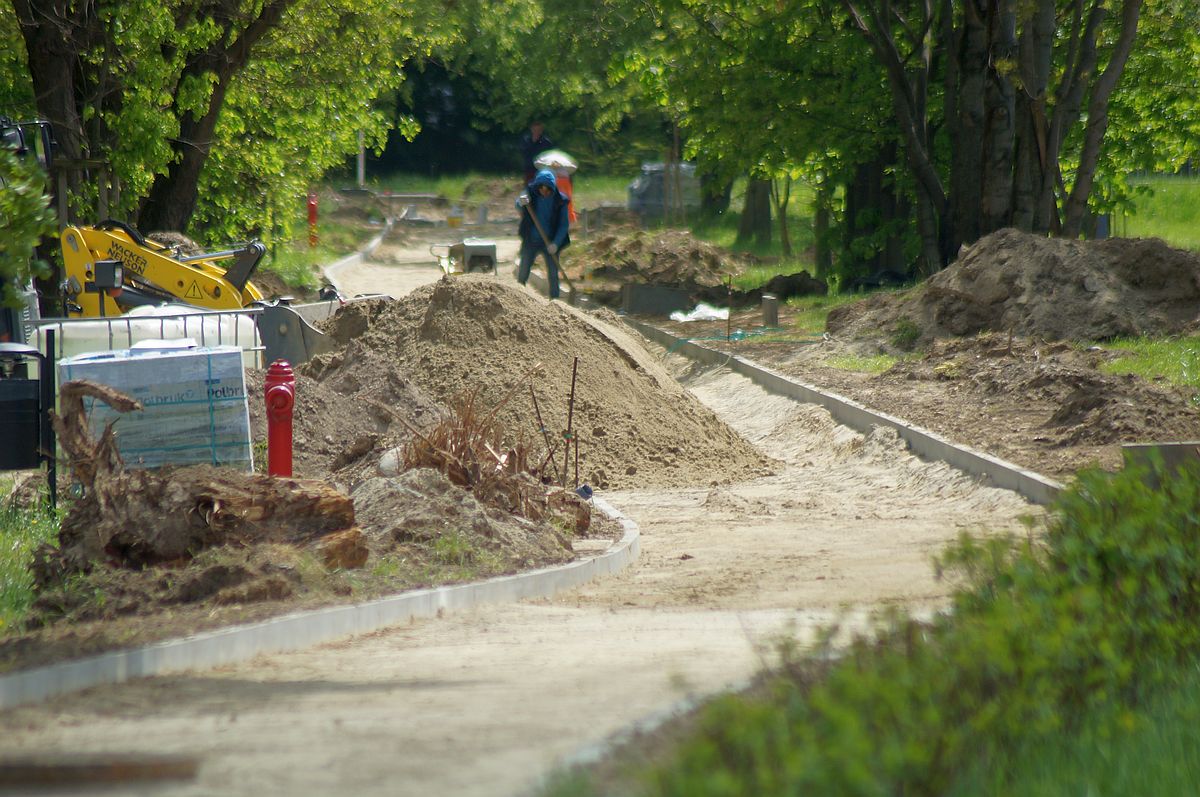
(208, 328)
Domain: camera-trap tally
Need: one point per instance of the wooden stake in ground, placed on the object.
(570, 419)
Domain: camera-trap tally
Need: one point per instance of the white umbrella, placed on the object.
(555, 160)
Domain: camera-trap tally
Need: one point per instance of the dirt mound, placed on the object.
(666, 257)
(1047, 288)
(635, 425)
(338, 422)
(421, 506)
(1087, 406)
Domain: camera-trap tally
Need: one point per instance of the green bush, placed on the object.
(1047, 629)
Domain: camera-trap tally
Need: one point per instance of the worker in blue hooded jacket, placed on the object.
(549, 234)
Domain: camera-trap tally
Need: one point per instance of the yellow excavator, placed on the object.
(110, 268)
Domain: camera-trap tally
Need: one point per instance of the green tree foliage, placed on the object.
(25, 217)
(277, 91)
(530, 58)
(1155, 117)
(783, 91)
(296, 111)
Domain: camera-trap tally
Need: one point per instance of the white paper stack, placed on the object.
(194, 400)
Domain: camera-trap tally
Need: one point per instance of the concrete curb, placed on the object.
(305, 629)
(1033, 486)
(333, 268)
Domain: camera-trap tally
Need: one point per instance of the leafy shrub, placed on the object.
(1047, 628)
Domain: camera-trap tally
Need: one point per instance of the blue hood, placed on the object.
(544, 177)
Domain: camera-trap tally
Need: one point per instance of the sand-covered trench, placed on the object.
(487, 702)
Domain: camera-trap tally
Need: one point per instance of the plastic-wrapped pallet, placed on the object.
(194, 401)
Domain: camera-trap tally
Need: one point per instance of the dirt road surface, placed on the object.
(403, 262)
(487, 702)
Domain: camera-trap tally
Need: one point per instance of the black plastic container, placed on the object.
(20, 424)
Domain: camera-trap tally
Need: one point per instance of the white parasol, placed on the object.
(556, 161)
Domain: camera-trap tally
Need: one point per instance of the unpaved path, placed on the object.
(402, 263)
(486, 702)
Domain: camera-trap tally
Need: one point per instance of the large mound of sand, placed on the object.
(665, 257)
(1035, 286)
(636, 426)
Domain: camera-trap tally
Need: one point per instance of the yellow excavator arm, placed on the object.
(150, 273)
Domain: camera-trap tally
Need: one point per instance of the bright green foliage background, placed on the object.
(24, 218)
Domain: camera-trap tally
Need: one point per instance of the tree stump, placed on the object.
(135, 518)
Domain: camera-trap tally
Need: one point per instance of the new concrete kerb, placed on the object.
(305, 629)
(333, 268)
(923, 443)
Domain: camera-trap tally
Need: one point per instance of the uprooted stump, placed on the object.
(135, 518)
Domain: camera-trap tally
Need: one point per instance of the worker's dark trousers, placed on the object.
(528, 255)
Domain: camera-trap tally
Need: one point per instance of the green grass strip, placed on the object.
(21, 532)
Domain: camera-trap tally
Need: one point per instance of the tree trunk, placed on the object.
(967, 57)
(908, 78)
(715, 195)
(1097, 124)
(996, 200)
(821, 214)
(52, 55)
(1030, 204)
(780, 196)
(172, 198)
(755, 222)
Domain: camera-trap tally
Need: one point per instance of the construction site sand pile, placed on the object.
(668, 257)
(332, 429)
(1048, 288)
(635, 425)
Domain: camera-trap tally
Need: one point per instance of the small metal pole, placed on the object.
(770, 310)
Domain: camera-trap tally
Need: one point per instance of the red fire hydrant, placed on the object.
(312, 218)
(280, 389)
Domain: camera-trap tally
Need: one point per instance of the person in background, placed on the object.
(545, 227)
(533, 143)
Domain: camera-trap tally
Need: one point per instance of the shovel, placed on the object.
(553, 255)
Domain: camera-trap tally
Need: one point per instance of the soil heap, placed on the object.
(635, 425)
(677, 259)
(667, 257)
(1047, 288)
(337, 424)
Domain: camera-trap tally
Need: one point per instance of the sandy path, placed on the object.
(486, 702)
(403, 263)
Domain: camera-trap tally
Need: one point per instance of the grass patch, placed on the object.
(1176, 360)
(811, 311)
(21, 531)
(905, 333)
(1168, 209)
(299, 265)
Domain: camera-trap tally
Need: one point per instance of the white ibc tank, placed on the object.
(162, 322)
